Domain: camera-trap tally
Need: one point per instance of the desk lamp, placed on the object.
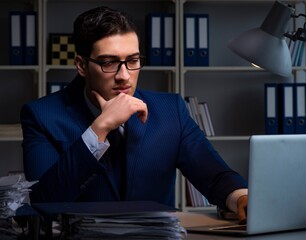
(266, 46)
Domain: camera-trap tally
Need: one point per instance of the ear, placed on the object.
(81, 65)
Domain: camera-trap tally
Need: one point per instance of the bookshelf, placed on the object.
(233, 89)
(19, 84)
(22, 83)
(152, 77)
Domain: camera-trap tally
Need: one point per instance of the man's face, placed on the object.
(113, 48)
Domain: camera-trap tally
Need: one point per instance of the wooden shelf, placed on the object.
(10, 132)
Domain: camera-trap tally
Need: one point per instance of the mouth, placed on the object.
(122, 89)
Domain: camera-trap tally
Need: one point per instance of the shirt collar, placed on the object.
(94, 110)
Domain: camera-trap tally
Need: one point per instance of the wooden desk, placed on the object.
(197, 219)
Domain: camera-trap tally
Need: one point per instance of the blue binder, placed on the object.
(168, 41)
(16, 53)
(154, 37)
(190, 36)
(30, 38)
(203, 40)
(287, 123)
(300, 108)
(271, 108)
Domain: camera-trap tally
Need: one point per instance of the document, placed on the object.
(146, 225)
(13, 191)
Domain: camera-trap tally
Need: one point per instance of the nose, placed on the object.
(122, 73)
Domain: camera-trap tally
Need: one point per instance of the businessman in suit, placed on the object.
(101, 139)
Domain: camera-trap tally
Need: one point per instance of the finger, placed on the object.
(242, 209)
(143, 112)
(143, 115)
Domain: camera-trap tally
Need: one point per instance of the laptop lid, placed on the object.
(277, 171)
(277, 199)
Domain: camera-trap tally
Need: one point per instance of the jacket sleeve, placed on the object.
(62, 167)
(201, 164)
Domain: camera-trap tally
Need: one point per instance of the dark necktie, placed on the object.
(117, 158)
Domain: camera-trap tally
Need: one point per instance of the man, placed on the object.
(71, 140)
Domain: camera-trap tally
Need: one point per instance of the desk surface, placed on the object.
(197, 219)
(187, 219)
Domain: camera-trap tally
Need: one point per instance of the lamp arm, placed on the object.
(297, 16)
(300, 33)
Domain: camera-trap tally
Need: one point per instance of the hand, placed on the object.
(117, 111)
(242, 204)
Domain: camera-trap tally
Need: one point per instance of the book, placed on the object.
(194, 198)
(206, 119)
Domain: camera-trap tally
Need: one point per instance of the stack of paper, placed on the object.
(13, 192)
(146, 225)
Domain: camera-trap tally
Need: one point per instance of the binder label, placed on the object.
(300, 95)
(15, 31)
(203, 41)
(30, 26)
(190, 32)
(156, 32)
(271, 96)
(288, 103)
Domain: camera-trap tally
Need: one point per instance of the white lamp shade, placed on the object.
(264, 50)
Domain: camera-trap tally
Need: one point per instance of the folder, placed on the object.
(190, 36)
(203, 40)
(300, 108)
(16, 53)
(30, 47)
(286, 124)
(168, 35)
(271, 108)
(154, 36)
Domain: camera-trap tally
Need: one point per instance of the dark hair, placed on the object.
(99, 23)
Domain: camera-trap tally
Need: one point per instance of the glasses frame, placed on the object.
(142, 60)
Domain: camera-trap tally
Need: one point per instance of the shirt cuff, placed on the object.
(231, 201)
(95, 147)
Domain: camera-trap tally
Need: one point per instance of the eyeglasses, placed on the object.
(133, 63)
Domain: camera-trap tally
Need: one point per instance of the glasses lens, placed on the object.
(110, 66)
(131, 64)
(134, 64)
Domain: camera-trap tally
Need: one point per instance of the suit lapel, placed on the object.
(80, 113)
(76, 105)
(135, 132)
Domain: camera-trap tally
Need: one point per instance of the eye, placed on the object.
(133, 60)
(108, 63)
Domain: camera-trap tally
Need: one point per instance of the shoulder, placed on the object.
(153, 96)
(162, 102)
(46, 102)
(69, 95)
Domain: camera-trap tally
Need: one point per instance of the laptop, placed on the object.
(277, 196)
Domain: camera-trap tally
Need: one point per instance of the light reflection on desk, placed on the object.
(198, 219)
(295, 235)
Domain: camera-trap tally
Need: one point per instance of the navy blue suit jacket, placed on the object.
(55, 154)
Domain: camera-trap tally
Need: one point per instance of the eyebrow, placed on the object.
(117, 57)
